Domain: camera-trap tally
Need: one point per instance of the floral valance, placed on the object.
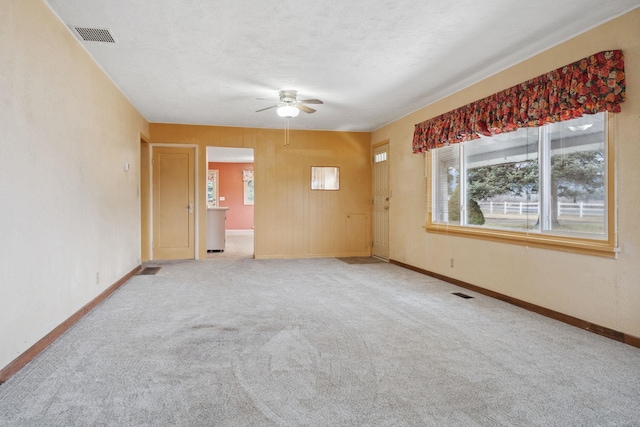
(247, 176)
(588, 86)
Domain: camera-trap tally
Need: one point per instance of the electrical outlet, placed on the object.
(97, 278)
(451, 262)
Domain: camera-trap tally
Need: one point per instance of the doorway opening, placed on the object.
(230, 202)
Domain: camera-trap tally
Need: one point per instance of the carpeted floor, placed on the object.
(238, 244)
(360, 260)
(319, 342)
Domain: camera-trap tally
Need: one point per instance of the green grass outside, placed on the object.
(590, 225)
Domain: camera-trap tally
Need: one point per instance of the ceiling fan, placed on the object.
(289, 106)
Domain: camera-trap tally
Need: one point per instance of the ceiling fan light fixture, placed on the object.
(287, 111)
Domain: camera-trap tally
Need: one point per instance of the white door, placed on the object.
(381, 201)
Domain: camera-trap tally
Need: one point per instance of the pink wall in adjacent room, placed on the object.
(231, 187)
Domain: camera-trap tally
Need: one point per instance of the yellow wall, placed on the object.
(599, 290)
(69, 222)
(291, 220)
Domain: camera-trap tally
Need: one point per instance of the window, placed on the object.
(212, 188)
(380, 157)
(248, 191)
(549, 181)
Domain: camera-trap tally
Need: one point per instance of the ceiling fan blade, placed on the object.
(268, 108)
(267, 99)
(311, 101)
(305, 108)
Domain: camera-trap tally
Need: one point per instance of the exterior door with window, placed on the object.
(381, 201)
(173, 215)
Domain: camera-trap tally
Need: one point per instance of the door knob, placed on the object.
(190, 207)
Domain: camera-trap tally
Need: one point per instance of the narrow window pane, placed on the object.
(502, 181)
(446, 183)
(578, 166)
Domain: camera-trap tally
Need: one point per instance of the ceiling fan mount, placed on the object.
(288, 96)
(289, 105)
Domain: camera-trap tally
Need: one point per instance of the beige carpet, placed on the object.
(238, 244)
(360, 260)
(319, 342)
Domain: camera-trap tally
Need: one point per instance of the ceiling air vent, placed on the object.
(95, 34)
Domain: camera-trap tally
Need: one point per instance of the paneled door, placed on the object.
(381, 201)
(173, 213)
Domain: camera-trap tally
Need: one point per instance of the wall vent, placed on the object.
(94, 34)
(149, 271)
(461, 295)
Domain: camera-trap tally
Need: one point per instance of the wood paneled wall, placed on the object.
(291, 220)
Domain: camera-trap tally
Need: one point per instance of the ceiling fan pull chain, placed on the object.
(286, 133)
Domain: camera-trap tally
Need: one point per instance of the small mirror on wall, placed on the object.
(325, 178)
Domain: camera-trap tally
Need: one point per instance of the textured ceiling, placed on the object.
(371, 62)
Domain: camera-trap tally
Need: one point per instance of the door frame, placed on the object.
(196, 190)
(215, 159)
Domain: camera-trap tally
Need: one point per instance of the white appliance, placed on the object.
(216, 219)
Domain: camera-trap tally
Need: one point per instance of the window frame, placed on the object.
(606, 247)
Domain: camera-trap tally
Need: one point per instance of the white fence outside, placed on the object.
(570, 209)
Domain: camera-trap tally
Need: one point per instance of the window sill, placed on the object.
(602, 248)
